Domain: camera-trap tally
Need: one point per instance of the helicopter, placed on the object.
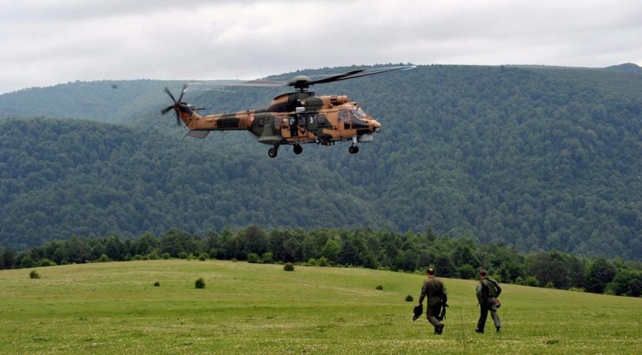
(294, 118)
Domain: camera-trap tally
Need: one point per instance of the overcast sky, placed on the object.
(47, 42)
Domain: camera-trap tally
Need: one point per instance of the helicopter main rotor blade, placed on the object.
(251, 83)
(180, 98)
(335, 77)
(302, 82)
(360, 73)
(170, 94)
(167, 109)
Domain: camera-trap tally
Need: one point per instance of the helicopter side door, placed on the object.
(345, 119)
(286, 126)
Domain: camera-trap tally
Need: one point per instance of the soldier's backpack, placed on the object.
(494, 290)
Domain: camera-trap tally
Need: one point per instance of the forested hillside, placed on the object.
(534, 157)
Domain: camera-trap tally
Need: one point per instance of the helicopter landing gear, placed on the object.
(354, 149)
(272, 152)
(297, 149)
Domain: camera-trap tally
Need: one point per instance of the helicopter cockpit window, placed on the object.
(358, 112)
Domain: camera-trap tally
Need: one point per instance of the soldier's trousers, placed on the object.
(484, 309)
(432, 313)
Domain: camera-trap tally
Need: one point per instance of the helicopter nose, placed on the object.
(376, 126)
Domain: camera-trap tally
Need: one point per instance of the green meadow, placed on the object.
(114, 308)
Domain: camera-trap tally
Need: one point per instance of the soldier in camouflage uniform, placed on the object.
(487, 292)
(435, 291)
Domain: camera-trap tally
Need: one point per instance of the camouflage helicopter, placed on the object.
(294, 118)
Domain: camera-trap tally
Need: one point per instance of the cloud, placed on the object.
(52, 41)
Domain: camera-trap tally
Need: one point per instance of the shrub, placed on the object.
(27, 262)
(253, 258)
(379, 287)
(156, 284)
(467, 272)
(103, 258)
(204, 256)
(46, 262)
(137, 257)
(532, 281)
(323, 261)
(34, 274)
(200, 283)
(288, 267)
(165, 256)
(409, 298)
(313, 262)
(268, 258)
(183, 255)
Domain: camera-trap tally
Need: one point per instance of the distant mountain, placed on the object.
(534, 157)
(628, 67)
(103, 101)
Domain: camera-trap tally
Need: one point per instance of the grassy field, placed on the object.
(114, 308)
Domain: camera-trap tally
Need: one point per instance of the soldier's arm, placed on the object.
(423, 293)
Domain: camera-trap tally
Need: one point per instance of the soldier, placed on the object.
(435, 291)
(487, 292)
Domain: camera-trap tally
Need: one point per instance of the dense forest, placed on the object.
(536, 158)
(380, 249)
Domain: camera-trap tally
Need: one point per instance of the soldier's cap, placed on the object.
(430, 271)
(417, 311)
(483, 272)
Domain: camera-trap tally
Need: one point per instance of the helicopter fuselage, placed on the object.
(292, 119)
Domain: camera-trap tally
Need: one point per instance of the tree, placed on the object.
(255, 240)
(177, 241)
(114, 249)
(600, 273)
(464, 254)
(445, 267)
(331, 250)
(7, 259)
(627, 282)
(549, 267)
(77, 250)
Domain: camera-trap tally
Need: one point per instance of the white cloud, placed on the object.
(51, 41)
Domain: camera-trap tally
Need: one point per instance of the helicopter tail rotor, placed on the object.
(178, 105)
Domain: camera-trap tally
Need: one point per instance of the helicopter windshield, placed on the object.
(358, 112)
(353, 117)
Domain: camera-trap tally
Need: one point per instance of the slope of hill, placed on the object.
(63, 178)
(104, 101)
(113, 308)
(534, 157)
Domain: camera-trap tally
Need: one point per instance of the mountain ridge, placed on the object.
(534, 157)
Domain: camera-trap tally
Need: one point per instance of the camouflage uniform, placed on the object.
(435, 291)
(487, 302)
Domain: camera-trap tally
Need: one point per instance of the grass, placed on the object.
(108, 308)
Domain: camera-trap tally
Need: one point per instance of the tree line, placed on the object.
(383, 249)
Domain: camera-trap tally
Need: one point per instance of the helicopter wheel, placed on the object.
(353, 149)
(298, 149)
(272, 152)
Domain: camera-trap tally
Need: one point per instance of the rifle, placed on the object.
(442, 313)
